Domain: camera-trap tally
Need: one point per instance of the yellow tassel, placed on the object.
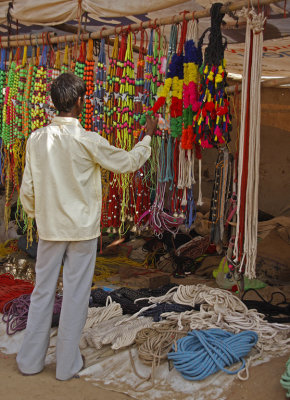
(90, 50)
(65, 57)
(57, 60)
(29, 234)
(24, 58)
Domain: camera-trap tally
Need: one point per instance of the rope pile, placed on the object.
(218, 309)
(11, 288)
(108, 332)
(203, 353)
(15, 313)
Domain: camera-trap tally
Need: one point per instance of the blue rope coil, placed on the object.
(203, 353)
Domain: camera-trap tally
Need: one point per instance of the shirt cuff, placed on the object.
(146, 140)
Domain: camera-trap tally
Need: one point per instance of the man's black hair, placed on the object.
(65, 91)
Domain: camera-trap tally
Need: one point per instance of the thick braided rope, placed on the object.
(92, 336)
(203, 353)
(273, 338)
(192, 295)
(15, 312)
(97, 315)
(155, 342)
(153, 345)
(114, 332)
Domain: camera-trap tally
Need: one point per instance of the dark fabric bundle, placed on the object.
(126, 297)
(271, 311)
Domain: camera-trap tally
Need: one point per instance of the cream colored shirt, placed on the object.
(61, 185)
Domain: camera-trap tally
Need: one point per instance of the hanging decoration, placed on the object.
(100, 89)
(79, 70)
(110, 106)
(245, 248)
(213, 119)
(87, 115)
(38, 116)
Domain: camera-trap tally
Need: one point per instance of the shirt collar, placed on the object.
(66, 121)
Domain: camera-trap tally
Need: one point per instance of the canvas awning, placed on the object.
(36, 16)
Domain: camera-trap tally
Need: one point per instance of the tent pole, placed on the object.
(35, 39)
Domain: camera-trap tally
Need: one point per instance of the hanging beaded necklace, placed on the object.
(99, 107)
(79, 71)
(110, 106)
(26, 110)
(64, 67)
(39, 94)
(88, 77)
(8, 108)
(125, 129)
(18, 123)
(2, 82)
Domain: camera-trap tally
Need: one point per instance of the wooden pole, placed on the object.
(36, 39)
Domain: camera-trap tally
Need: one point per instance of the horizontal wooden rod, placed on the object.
(37, 39)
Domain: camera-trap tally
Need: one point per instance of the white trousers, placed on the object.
(78, 260)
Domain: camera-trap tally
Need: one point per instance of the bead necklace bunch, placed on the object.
(139, 89)
(18, 123)
(118, 77)
(114, 78)
(125, 103)
(64, 67)
(192, 58)
(8, 108)
(176, 73)
(79, 71)
(99, 124)
(39, 95)
(125, 129)
(33, 79)
(89, 79)
(110, 106)
(2, 82)
(26, 110)
(141, 179)
(148, 74)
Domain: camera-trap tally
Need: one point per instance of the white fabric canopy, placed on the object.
(4, 5)
(53, 12)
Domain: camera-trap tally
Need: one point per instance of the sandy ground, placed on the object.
(263, 384)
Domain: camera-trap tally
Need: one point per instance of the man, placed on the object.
(61, 189)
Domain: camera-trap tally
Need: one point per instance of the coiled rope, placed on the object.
(203, 353)
(15, 313)
(11, 288)
(153, 345)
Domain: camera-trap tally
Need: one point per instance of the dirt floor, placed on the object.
(263, 384)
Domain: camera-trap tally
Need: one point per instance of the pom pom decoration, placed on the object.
(213, 119)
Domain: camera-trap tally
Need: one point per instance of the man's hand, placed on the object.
(151, 125)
